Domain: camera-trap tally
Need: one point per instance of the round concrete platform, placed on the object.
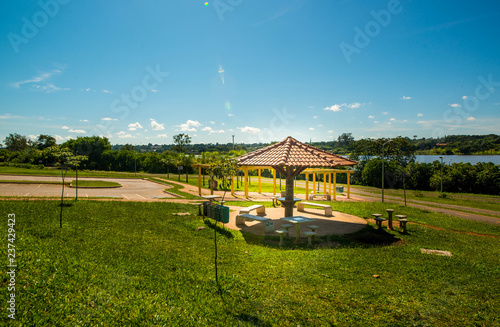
(339, 224)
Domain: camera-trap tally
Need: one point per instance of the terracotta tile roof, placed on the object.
(291, 152)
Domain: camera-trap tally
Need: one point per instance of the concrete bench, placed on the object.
(328, 208)
(402, 222)
(312, 197)
(261, 210)
(287, 228)
(268, 222)
(309, 236)
(281, 232)
(379, 222)
(313, 229)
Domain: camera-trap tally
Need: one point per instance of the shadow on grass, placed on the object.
(250, 319)
(65, 205)
(220, 229)
(372, 236)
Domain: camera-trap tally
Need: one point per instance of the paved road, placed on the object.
(133, 189)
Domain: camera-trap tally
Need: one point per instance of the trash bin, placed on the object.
(221, 214)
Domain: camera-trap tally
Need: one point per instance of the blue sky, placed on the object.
(142, 71)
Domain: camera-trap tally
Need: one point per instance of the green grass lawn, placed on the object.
(95, 184)
(489, 202)
(175, 188)
(134, 263)
(6, 170)
(266, 184)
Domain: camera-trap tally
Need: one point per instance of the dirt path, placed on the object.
(460, 214)
(443, 205)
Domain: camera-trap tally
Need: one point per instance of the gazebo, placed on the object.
(290, 157)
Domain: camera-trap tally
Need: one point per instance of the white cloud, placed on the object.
(162, 135)
(454, 105)
(210, 130)
(124, 135)
(106, 91)
(78, 131)
(406, 98)
(156, 126)
(335, 107)
(212, 122)
(9, 116)
(154, 91)
(311, 128)
(65, 127)
(133, 127)
(107, 118)
(189, 126)
(250, 130)
(50, 88)
(375, 122)
(420, 115)
(320, 125)
(355, 105)
(464, 97)
(371, 117)
(59, 138)
(315, 117)
(310, 107)
(84, 120)
(330, 132)
(230, 115)
(385, 113)
(32, 137)
(392, 119)
(41, 77)
(471, 118)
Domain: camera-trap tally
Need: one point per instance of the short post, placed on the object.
(389, 212)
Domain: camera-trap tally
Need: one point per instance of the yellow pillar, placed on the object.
(259, 180)
(232, 185)
(246, 182)
(307, 187)
(348, 186)
(324, 183)
(335, 186)
(314, 184)
(211, 186)
(199, 181)
(274, 181)
(330, 183)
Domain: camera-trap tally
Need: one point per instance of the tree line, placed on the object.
(401, 170)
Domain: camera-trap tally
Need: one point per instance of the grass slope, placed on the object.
(95, 184)
(134, 263)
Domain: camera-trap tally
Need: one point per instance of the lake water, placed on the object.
(458, 158)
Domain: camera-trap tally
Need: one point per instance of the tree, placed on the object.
(91, 146)
(75, 162)
(345, 140)
(15, 142)
(223, 170)
(45, 141)
(181, 142)
(129, 147)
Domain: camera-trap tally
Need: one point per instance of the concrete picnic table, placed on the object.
(297, 220)
(283, 200)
